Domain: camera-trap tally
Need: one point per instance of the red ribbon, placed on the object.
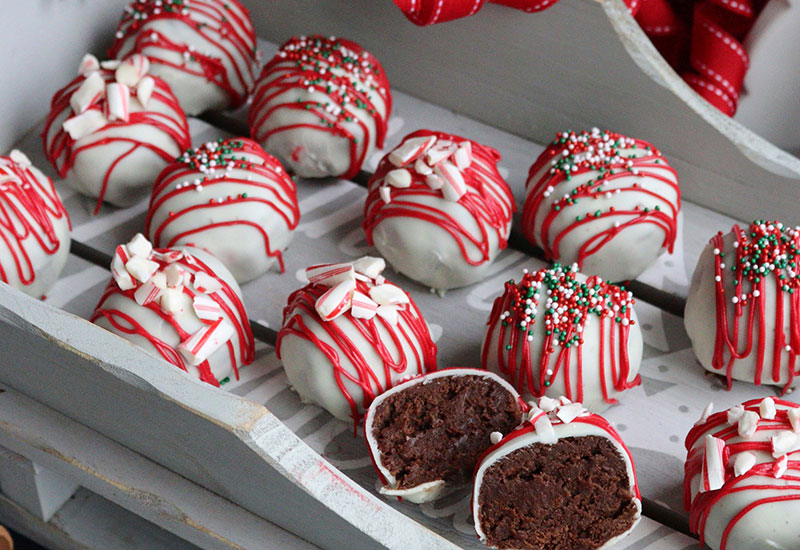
(703, 45)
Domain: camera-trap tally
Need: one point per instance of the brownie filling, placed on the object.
(573, 494)
(439, 430)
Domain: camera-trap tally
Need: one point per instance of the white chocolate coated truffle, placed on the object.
(604, 201)
(741, 484)
(204, 49)
(34, 227)
(349, 335)
(557, 332)
(438, 209)
(105, 141)
(228, 197)
(742, 313)
(547, 423)
(179, 304)
(321, 106)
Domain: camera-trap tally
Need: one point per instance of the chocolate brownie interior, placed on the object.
(439, 429)
(573, 494)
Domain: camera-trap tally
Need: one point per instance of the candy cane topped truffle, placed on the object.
(34, 227)
(321, 105)
(438, 209)
(746, 289)
(564, 479)
(557, 332)
(204, 49)
(113, 128)
(742, 476)
(349, 335)
(604, 201)
(228, 197)
(180, 304)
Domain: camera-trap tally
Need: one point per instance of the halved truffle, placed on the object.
(563, 480)
(430, 431)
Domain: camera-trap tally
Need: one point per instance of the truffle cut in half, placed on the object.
(428, 433)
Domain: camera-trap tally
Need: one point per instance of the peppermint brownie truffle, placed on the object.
(603, 200)
(230, 198)
(742, 476)
(438, 209)
(112, 129)
(428, 432)
(557, 332)
(743, 313)
(34, 227)
(180, 304)
(204, 49)
(565, 479)
(349, 335)
(321, 106)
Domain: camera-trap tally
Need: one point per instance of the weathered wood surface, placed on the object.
(581, 63)
(131, 481)
(89, 522)
(39, 490)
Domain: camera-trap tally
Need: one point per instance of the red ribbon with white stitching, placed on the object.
(705, 46)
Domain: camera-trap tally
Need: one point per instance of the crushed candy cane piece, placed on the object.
(330, 274)
(388, 313)
(767, 408)
(144, 90)
(747, 424)
(141, 268)
(88, 64)
(205, 283)
(206, 308)
(399, 178)
(362, 307)
(743, 463)
(117, 106)
(388, 294)
(783, 443)
(85, 124)
(147, 293)
(118, 272)
(89, 93)
(139, 246)
(200, 345)
(370, 266)
(336, 300)
(410, 150)
(713, 471)
(19, 158)
(568, 413)
(132, 70)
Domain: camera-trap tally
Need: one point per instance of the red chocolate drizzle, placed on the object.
(411, 329)
(513, 315)
(193, 165)
(227, 299)
(765, 249)
(28, 207)
(317, 63)
(615, 172)
(718, 426)
(223, 24)
(488, 199)
(62, 152)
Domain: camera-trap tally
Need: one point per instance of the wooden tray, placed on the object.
(255, 444)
